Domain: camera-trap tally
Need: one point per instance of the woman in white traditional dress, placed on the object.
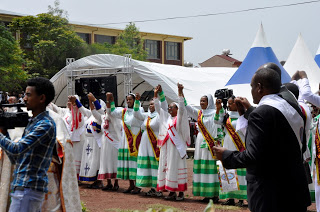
(234, 141)
(130, 140)
(205, 173)
(90, 161)
(149, 152)
(110, 143)
(75, 123)
(174, 136)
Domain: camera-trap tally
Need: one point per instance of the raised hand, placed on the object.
(72, 99)
(159, 88)
(109, 96)
(303, 74)
(91, 97)
(138, 97)
(180, 89)
(295, 76)
(240, 107)
(218, 105)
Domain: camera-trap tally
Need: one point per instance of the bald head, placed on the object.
(264, 82)
(293, 88)
(12, 100)
(269, 79)
(272, 66)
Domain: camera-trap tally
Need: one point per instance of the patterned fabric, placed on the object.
(240, 194)
(205, 176)
(127, 165)
(32, 154)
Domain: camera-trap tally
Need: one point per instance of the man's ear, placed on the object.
(260, 87)
(42, 98)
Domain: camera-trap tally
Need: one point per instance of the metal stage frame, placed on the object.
(126, 70)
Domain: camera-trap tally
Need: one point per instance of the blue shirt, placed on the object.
(32, 154)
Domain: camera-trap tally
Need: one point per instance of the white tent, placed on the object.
(197, 81)
(301, 59)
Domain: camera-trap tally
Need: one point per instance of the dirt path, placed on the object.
(101, 201)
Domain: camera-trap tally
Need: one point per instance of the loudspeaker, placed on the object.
(98, 86)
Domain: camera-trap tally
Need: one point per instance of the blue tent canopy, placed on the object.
(256, 57)
(317, 59)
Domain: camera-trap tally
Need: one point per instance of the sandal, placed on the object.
(95, 186)
(136, 190)
(240, 203)
(151, 192)
(180, 198)
(128, 190)
(115, 188)
(171, 197)
(229, 202)
(107, 187)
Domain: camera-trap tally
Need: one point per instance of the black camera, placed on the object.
(10, 120)
(224, 94)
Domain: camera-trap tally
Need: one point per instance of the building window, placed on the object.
(172, 51)
(153, 49)
(104, 39)
(85, 36)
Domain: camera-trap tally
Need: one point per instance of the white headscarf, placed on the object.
(211, 108)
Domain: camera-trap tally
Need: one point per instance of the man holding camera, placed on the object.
(33, 152)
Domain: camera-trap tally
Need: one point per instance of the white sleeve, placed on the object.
(192, 111)
(306, 93)
(242, 124)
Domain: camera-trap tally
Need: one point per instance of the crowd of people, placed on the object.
(271, 151)
(11, 98)
(150, 148)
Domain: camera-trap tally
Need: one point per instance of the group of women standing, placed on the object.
(150, 148)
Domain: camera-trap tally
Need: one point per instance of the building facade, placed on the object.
(161, 48)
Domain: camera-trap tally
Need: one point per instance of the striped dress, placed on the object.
(241, 173)
(147, 171)
(205, 173)
(127, 164)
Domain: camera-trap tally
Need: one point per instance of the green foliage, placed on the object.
(11, 72)
(128, 42)
(83, 207)
(47, 41)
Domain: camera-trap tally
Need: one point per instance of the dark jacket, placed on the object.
(275, 173)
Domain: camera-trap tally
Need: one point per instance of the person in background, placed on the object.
(273, 138)
(205, 173)
(32, 154)
(174, 136)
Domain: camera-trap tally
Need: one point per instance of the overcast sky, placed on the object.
(210, 34)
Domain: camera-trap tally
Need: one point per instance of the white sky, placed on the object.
(210, 34)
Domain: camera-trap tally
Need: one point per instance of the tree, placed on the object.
(47, 40)
(56, 10)
(11, 73)
(128, 42)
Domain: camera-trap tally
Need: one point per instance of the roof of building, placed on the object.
(10, 13)
(226, 57)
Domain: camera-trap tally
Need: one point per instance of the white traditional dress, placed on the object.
(110, 143)
(6, 171)
(130, 140)
(63, 193)
(149, 152)
(174, 136)
(90, 161)
(235, 141)
(75, 123)
(205, 173)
